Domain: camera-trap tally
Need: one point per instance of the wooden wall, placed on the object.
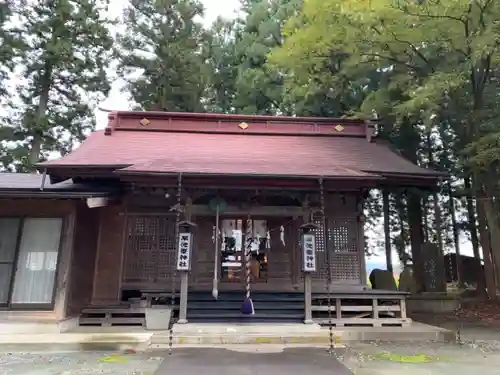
(50, 208)
(109, 262)
(137, 251)
(83, 259)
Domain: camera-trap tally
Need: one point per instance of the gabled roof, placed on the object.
(212, 144)
(32, 185)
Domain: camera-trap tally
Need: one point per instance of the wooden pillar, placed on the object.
(185, 275)
(361, 241)
(63, 284)
(183, 298)
(307, 275)
(307, 298)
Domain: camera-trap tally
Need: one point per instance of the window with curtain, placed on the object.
(9, 232)
(32, 257)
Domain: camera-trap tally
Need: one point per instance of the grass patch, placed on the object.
(417, 358)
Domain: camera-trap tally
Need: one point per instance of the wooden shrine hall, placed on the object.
(200, 205)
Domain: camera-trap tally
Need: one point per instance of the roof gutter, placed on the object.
(201, 174)
(52, 194)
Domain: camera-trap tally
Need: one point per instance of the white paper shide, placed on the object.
(309, 251)
(184, 251)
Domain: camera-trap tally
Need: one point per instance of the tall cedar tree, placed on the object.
(259, 87)
(7, 52)
(65, 50)
(160, 54)
(220, 56)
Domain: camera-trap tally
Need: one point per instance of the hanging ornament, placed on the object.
(282, 235)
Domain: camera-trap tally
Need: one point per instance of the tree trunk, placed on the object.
(401, 244)
(425, 214)
(416, 239)
(474, 237)
(43, 102)
(438, 224)
(489, 273)
(387, 231)
(494, 230)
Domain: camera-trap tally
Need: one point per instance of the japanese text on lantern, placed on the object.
(183, 252)
(309, 249)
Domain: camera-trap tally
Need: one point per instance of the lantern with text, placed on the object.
(185, 245)
(308, 247)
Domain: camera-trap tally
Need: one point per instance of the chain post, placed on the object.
(174, 271)
(328, 261)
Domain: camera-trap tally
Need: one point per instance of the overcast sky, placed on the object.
(117, 100)
(213, 8)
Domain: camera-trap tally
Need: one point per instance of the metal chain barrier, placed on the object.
(174, 271)
(328, 261)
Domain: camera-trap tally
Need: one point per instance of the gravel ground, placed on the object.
(76, 363)
(468, 358)
(479, 353)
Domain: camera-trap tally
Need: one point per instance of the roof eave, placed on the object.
(51, 165)
(304, 177)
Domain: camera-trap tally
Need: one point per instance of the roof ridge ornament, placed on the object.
(112, 120)
(145, 122)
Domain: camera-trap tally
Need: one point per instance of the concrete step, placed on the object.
(92, 340)
(212, 334)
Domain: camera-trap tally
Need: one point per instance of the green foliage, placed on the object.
(259, 87)
(160, 56)
(62, 51)
(219, 52)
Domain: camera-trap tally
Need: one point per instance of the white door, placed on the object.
(9, 231)
(37, 261)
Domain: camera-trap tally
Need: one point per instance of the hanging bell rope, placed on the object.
(215, 282)
(174, 270)
(247, 307)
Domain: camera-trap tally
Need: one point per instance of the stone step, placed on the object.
(212, 334)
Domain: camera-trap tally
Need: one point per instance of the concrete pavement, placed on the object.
(315, 361)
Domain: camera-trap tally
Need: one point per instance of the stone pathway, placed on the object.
(470, 358)
(252, 362)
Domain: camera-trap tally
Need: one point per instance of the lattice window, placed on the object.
(346, 267)
(149, 248)
(343, 235)
(343, 249)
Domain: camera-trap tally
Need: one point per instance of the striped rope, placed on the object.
(174, 271)
(248, 259)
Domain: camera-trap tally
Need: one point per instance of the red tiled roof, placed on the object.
(239, 154)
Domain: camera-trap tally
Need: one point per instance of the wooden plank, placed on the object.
(350, 295)
(131, 310)
(357, 308)
(112, 321)
(393, 308)
(364, 322)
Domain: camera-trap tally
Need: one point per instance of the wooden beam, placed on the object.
(253, 211)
